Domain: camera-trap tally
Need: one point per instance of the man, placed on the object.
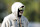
(16, 18)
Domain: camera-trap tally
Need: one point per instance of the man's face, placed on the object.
(20, 12)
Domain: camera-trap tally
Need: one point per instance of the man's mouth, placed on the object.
(21, 12)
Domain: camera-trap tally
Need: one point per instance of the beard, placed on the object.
(19, 15)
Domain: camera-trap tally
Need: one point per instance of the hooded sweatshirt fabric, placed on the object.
(11, 19)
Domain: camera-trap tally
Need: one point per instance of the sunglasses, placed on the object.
(21, 8)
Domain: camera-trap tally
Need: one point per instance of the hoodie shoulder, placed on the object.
(7, 17)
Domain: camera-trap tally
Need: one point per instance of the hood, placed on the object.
(15, 6)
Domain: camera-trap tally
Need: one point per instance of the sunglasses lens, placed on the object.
(21, 8)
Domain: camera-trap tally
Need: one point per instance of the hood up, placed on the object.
(15, 7)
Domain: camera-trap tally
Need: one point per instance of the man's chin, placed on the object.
(19, 15)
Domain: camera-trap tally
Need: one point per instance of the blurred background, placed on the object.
(32, 10)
